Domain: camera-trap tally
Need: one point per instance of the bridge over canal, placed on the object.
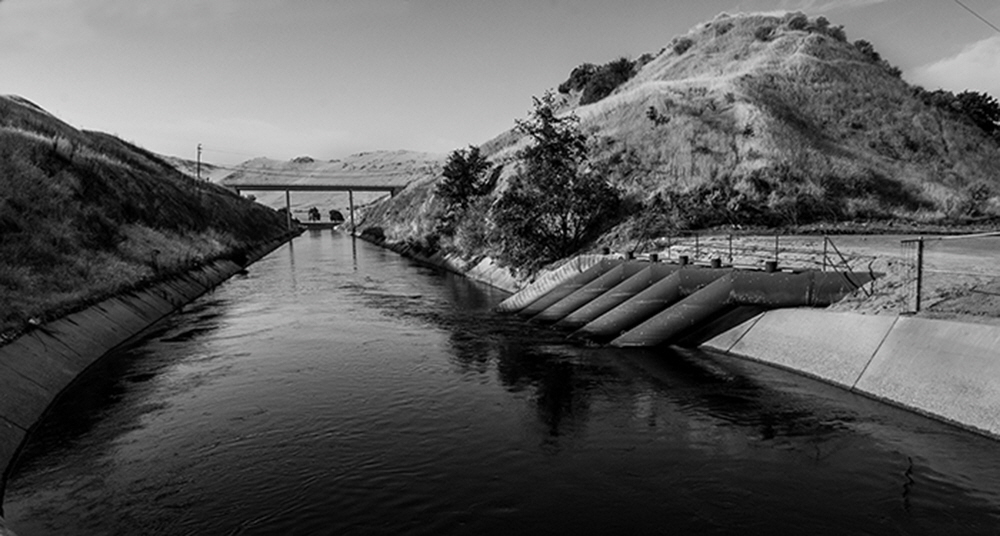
(349, 181)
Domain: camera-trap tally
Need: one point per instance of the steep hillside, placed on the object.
(84, 215)
(759, 120)
(191, 168)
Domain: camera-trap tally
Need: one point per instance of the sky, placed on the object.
(329, 78)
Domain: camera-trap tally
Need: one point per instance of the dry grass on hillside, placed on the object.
(757, 121)
(84, 215)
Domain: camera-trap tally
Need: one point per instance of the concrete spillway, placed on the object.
(633, 303)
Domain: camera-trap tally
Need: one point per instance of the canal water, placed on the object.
(338, 388)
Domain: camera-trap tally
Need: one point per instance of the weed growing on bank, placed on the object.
(84, 215)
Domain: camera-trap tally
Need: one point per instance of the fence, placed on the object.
(954, 274)
(754, 251)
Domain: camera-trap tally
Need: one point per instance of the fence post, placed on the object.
(775, 248)
(730, 248)
(825, 239)
(920, 271)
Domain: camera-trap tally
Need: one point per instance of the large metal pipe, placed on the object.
(568, 287)
(590, 291)
(739, 288)
(649, 302)
(686, 314)
(617, 295)
(545, 284)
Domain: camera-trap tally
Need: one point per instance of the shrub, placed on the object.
(763, 33)
(465, 177)
(796, 21)
(472, 232)
(838, 33)
(979, 108)
(578, 78)
(867, 50)
(682, 45)
(722, 28)
(553, 205)
(374, 234)
(606, 79)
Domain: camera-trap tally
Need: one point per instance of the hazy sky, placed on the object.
(327, 78)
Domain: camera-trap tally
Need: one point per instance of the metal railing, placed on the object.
(795, 252)
(941, 267)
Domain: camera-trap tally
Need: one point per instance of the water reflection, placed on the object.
(379, 396)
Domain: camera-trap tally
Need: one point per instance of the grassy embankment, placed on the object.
(85, 215)
(775, 123)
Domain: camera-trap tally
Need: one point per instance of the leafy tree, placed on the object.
(981, 109)
(555, 203)
(867, 50)
(466, 176)
(606, 79)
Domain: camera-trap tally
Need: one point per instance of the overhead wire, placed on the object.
(977, 15)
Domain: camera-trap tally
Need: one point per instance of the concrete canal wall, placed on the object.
(36, 367)
(943, 369)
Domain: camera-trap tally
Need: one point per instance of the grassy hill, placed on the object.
(373, 166)
(84, 215)
(759, 120)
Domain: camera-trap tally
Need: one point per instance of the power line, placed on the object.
(978, 16)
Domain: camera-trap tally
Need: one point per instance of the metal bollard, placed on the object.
(683, 260)
(771, 266)
(716, 263)
(653, 257)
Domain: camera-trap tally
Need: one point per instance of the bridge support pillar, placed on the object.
(288, 209)
(350, 197)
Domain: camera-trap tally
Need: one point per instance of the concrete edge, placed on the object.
(42, 363)
(948, 371)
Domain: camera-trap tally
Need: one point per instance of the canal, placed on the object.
(338, 388)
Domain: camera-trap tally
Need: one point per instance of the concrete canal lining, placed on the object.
(943, 369)
(38, 366)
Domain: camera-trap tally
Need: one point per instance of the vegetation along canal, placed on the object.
(341, 389)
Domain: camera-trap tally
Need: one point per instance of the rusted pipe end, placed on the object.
(683, 260)
(653, 257)
(771, 266)
(716, 263)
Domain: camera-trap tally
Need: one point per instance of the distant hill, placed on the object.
(375, 165)
(191, 168)
(84, 215)
(763, 120)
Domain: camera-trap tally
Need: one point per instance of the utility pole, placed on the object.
(198, 167)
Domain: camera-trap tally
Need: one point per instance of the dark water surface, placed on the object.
(341, 389)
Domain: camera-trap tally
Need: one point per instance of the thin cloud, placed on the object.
(974, 68)
(807, 6)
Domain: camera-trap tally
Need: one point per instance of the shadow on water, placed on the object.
(773, 408)
(119, 380)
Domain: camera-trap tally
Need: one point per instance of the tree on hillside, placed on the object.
(466, 176)
(555, 203)
(981, 108)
